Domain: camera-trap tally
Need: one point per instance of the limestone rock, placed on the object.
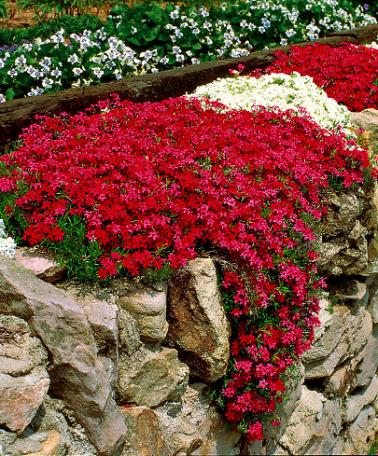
(355, 403)
(346, 254)
(194, 426)
(129, 341)
(77, 374)
(366, 362)
(24, 380)
(366, 119)
(144, 436)
(149, 308)
(345, 334)
(361, 433)
(180, 434)
(312, 425)
(373, 297)
(150, 377)
(102, 317)
(294, 386)
(198, 326)
(343, 210)
(41, 264)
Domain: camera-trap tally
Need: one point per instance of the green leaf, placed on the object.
(10, 94)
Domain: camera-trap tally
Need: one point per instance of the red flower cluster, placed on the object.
(155, 183)
(348, 73)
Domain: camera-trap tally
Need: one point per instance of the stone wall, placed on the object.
(127, 370)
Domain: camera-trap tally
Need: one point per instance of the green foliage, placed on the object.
(59, 7)
(75, 251)
(3, 8)
(71, 24)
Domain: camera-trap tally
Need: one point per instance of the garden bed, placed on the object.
(17, 114)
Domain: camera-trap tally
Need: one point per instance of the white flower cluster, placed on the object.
(7, 244)
(277, 90)
(192, 34)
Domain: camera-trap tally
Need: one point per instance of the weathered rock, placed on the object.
(149, 308)
(54, 416)
(343, 209)
(366, 362)
(102, 317)
(180, 434)
(351, 290)
(373, 298)
(355, 403)
(38, 444)
(346, 254)
(20, 398)
(129, 341)
(41, 263)
(361, 433)
(312, 425)
(151, 377)
(51, 446)
(366, 119)
(198, 326)
(23, 377)
(294, 393)
(344, 335)
(77, 375)
(145, 436)
(203, 416)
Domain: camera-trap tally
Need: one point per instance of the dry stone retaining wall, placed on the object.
(127, 370)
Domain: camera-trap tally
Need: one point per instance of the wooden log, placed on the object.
(18, 114)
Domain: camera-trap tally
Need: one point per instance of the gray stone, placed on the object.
(77, 374)
(149, 308)
(102, 317)
(129, 341)
(355, 403)
(343, 209)
(205, 418)
(367, 362)
(344, 335)
(198, 326)
(366, 119)
(312, 425)
(361, 433)
(150, 377)
(345, 254)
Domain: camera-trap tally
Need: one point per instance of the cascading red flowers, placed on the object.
(348, 73)
(157, 183)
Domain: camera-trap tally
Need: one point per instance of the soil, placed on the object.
(26, 18)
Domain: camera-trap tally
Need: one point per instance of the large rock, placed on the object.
(343, 334)
(360, 435)
(346, 254)
(38, 444)
(198, 326)
(24, 381)
(128, 333)
(148, 307)
(145, 436)
(41, 263)
(343, 209)
(355, 403)
(77, 375)
(102, 317)
(150, 377)
(312, 426)
(366, 119)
